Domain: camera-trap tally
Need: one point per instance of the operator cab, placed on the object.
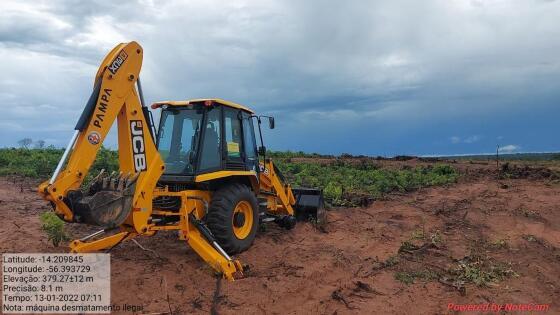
(205, 135)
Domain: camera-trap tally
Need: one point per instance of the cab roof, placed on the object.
(200, 100)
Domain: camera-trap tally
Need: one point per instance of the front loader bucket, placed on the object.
(310, 205)
(107, 201)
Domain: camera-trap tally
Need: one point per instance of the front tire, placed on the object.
(233, 217)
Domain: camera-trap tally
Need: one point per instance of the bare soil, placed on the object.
(351, 265)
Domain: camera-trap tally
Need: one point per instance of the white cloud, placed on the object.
(100, 33)
(509, 148)
(472, 139)
(469, 139)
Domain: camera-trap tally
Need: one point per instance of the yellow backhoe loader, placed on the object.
(200, 173)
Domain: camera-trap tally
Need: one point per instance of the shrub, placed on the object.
(53, 226)
(333, 192)
(341, 180)
(359, 180)
(40, 163)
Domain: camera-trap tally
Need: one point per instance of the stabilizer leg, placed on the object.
(80, 246)
(200, 239)
(230, 269)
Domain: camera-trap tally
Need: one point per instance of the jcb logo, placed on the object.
(138, 147)
(117, 62)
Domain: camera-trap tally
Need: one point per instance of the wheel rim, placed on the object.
(242, 230)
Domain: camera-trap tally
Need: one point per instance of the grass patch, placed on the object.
(420, 239)
(436, 238)
(418, 234)
(477, 269)
(389, 262)
(528, 213)
(53, 226)
(408, 277)
(481, 272)
(529, 238)
(407, 246)
(500, 243)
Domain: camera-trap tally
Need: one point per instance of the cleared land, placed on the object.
(487, 236)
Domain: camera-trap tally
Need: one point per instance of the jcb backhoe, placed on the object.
(200, 173)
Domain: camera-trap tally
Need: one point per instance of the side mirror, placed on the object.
(262, 150)
(271, 122)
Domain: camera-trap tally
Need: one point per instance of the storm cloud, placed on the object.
(364, 77)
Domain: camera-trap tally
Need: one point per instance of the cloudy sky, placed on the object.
(363, 77)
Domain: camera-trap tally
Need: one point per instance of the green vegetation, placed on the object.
(555, 156)
(407, 246)
(477, 272)
(408, 277)
(529, 238)
(417, 234)
(481, 271)
(389, 262)
(40, 163)
(294, 154)
(436, 238)
(31, 163)
(500, 243)
(344, 181)
(53, 226)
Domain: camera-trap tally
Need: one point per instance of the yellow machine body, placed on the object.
(118, 97)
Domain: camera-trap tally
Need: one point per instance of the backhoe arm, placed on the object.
(114, 97)
(279, 196)
(283, 200)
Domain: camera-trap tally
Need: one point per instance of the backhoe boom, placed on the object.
(124, 202)
(114, 97)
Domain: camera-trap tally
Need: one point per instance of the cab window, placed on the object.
(249, 142)
(232, 131)
(177, 139)
(211, 154)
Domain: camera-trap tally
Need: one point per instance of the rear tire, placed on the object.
(233, 217)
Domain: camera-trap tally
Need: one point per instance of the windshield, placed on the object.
(178, 137)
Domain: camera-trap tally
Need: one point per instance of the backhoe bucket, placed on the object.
(310, 205)
(107, 201)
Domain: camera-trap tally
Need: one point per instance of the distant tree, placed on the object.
(25, 143)
(39, 144)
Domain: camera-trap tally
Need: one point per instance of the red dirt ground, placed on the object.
(342, 268)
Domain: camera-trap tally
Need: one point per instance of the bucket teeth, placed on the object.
(94, 183)
(105, 182)
(114, 182)
(100, 175)
(132, 180)
(123, 182)
(110, 185)
(107, 201)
